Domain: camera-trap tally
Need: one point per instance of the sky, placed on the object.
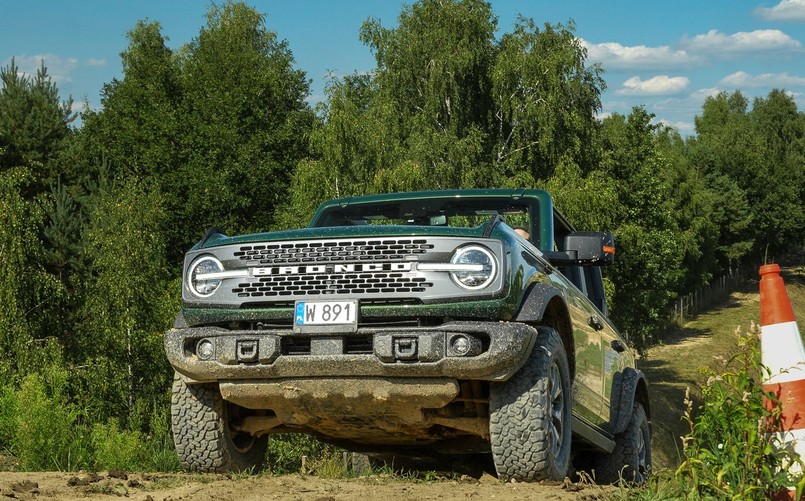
(667, 56)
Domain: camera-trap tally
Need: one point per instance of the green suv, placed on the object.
(448, 325)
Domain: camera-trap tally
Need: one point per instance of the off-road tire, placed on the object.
(204, 439)
(530, 415)
(630, 460)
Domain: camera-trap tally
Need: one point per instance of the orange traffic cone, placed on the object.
(783, 354)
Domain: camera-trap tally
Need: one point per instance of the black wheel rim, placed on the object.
(642, 455)
(557, 417)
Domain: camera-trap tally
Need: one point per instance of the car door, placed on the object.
(610, 342)
(588, 382)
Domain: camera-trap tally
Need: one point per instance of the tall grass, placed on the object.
(731, 450)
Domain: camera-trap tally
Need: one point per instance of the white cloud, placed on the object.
(743, 79)
(741, 42)
(96, 62)
(59, 68)
(655, 86)
(684, 128)
(786, 10)
(616, 56)
(603, 115)
(701, 94)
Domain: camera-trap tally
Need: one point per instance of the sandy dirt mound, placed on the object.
(174, 487)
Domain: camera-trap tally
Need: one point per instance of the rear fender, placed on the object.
(628, 387)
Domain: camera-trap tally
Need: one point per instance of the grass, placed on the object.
(706, 342)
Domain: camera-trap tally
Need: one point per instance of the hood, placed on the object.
(218, 239)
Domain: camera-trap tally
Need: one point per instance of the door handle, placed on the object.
(595, 322)
(618, 345)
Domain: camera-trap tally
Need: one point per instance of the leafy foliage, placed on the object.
(727, 455)
(34, 124)
(127, 303)
(545, 99)
(757, 156)
(218, 125)
(44, 433)
(25, 287)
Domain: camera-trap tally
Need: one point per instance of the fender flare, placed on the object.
(628, 387)
(537, 297)
(533, 309)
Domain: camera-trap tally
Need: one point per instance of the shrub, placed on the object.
(47, 434)
(730, 451)
(113, 448)
(160, 452)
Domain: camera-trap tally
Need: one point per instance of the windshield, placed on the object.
(455, 212)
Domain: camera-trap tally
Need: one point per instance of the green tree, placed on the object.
(34, 125)
(695, 206)
(651, 248)
(450, 106)
(724, 152)
(778, 186)
(754, 160)
(433, 83)
(137, 127)
(244, 126)
(219, 125)
(545, 101)
(26, 289)
(127, 304)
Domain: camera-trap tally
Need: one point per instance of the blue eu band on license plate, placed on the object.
(326, 313)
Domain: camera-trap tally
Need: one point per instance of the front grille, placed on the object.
(332, 283)
(377, 301)
(333, 251)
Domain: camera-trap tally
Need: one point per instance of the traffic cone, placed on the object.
(783, 354)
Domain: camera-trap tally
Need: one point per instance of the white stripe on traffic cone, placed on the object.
(783, 355)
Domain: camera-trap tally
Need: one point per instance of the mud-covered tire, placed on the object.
(630, 460)
(530, 415)
(204, 439)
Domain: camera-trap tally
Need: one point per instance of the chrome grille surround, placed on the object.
(369, 269)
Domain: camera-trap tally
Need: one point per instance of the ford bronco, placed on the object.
(431, 324)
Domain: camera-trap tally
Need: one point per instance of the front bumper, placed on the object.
(496, 350)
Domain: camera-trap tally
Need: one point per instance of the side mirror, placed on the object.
(586, 248)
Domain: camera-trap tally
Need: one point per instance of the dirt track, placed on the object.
(158, 487)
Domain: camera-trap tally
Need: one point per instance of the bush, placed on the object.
(47, 434)
(43, 430)
(160, 454)
(731, 451)
(285, 451)
(113, 448)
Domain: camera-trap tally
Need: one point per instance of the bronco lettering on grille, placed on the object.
(329, 268)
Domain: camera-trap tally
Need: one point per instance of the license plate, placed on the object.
(326, 316)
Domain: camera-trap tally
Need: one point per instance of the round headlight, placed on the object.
(484, 273)
(197, 282)
(205, 349)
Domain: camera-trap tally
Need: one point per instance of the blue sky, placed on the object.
(667, 56)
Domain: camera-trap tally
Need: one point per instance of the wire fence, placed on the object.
(688, 306)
